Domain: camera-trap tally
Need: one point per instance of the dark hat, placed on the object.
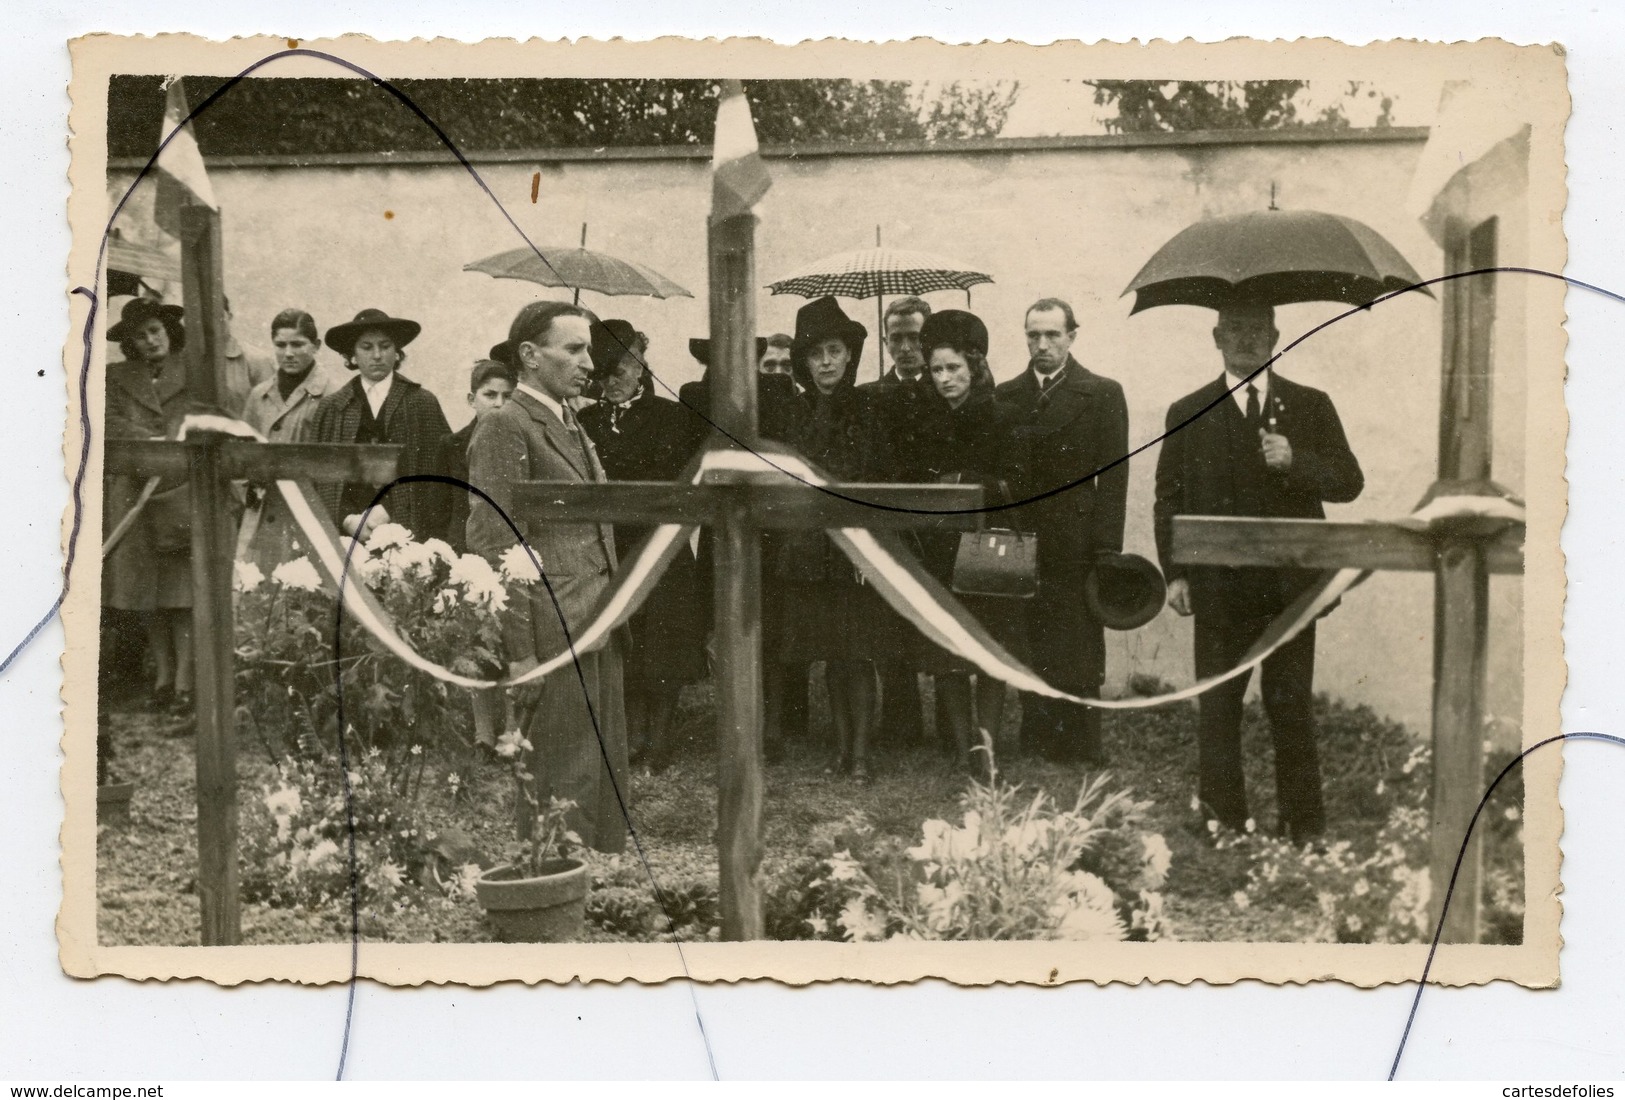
(822, 319)
(611, 341)
(342, 338)
(137, 312)
(1124, 591)
(953, 328)
(700, 348)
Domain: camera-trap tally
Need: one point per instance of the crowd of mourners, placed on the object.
(570, 396)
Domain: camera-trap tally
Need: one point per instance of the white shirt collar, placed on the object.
(548, 403)
(377, 392)
(1260, 381)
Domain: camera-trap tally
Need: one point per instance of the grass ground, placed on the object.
(146, 866)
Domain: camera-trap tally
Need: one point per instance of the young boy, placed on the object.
(490, 385)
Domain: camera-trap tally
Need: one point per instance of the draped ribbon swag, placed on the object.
(883, 559)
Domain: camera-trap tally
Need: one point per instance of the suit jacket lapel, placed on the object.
(559, 437)
(1067, 398)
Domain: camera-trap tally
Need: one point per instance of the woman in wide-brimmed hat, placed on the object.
(830, 615)
(148, 576)
(966, 440)
(642, 436)
(379, 405)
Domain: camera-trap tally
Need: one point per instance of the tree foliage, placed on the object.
(319, 115)
(1150, 105)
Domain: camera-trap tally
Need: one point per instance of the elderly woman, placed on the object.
(966, 440)
(642, 436)
(149, 572)
(279, 408)
(830, 614)
(379, 405)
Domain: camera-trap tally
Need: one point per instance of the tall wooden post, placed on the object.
(1461, 596)
(212, 549)
(738, 588)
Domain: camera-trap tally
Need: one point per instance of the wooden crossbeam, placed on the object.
(777, 505)
(1324, 544)
(247, 458)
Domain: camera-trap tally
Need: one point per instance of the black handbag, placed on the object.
(996, 561)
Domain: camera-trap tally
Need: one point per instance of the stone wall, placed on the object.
(1075, 218)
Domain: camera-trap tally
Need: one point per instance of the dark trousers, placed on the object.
(1068, 649)
(1288, 679)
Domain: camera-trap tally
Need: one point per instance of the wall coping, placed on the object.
(972, 146)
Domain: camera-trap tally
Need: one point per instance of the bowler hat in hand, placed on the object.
(136, 313)
(342, 338)
(1124, 591)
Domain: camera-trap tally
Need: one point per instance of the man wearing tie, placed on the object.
(1069, 447)
(1268, 447)
(535, 437)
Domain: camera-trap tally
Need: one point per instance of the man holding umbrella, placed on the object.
(1251, 443)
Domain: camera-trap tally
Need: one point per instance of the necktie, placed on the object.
(1252, 407)
(1046, 384)
(574, 425)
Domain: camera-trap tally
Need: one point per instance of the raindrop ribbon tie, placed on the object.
(881, 557)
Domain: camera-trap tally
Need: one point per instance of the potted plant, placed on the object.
(539, 894)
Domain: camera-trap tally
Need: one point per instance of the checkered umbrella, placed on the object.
(872, 272)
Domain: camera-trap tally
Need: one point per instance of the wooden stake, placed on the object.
(738, 587)
(1461, 596)
(213, 643)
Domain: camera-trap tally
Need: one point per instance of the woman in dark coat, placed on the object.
(149, 573)
(641, 436)
(830, 614)
(966, 441)
(378, 405)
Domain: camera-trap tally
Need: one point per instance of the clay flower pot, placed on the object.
(113, 802)
(550, 908)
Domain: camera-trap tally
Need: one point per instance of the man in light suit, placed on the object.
(1251, 443)
(578, 725)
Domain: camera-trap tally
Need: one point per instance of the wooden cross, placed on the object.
(211, 460)
(1460, 562)
(737, 510)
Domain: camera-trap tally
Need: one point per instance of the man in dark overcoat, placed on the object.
(1251, 443)
(577, 726)
(1069, 439)
(903, 399)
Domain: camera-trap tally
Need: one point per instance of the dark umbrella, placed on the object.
(1273, 257)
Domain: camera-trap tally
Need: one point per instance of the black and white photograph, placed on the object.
(740, 510)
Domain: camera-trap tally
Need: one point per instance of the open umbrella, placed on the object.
(1273, 257)
(579, 269)
(876, 272)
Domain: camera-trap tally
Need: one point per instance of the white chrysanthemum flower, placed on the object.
(298, 573)
(860, 923)
(481, 584)
(324, 852)
(933, 842)
(412, 558)
(284, 802)
(391, 873)
(510, 744)
(246, 576)
(519, 565)
(1086, 909)
(1158, 858)
(1240, 899)
(440, 549)
(387, 535)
